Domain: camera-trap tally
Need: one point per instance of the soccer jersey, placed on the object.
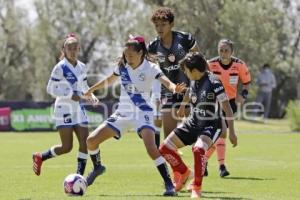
(136, 85)
(204, 94)
(230, 74)
(65, 81)
(168, 58)
(204, 118)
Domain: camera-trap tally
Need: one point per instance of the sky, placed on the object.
(28, 5)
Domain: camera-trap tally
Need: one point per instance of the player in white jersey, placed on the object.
(136, 74)
(67, 84)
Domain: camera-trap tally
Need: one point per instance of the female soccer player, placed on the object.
(170, 47)
(67, 83)
(136, 74)
(202, 127)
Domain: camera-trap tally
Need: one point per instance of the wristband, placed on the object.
(244, 93)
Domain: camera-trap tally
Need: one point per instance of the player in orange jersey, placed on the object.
(230, 71)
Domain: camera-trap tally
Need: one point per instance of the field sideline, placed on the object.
(265, 165)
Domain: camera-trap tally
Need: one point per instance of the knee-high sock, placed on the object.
(161, 166)
(81, 162)
(173, 159)
(95, 157)
(157, 136)
(210, 151)
(221, 148)
(199, 165)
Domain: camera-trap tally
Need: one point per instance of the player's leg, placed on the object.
(169, 120)
(82, 134)
(148, 137)
(199, 149)
(66, 136)
(157, 126)
(99, 135)
(169, 151)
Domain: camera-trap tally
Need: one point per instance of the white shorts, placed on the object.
(69, 115)
(122, 122)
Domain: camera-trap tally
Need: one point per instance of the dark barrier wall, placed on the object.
(37, 116)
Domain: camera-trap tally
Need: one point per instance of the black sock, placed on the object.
(157, 138)
(163, 170)
(46, 155)
(96, 159)
(81, 163)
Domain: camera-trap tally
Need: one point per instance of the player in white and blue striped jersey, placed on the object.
(136, 74)
(67, 84)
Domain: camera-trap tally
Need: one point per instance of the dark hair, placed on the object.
(70, 35)
(163, 13)
(194, 60)
(138, 43)
(226, 42)
(266, 65)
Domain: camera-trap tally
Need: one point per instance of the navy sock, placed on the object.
(81, 163)
(46, 155)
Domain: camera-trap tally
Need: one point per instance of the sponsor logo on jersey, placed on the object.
(142, 77)
(194, 98)
(218, 89)
(172, 68)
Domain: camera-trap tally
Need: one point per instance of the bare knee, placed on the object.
(152, 151)
(66, 148)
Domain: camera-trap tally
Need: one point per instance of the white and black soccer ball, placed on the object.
(75, 185)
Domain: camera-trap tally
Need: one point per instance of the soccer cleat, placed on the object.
(37, 163)
(93, 174)
(170, 190)
(223, 171)
(196, 192)
(181, 179)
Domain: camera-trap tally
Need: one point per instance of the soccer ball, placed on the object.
(75, 185)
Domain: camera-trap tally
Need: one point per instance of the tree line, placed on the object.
(263, 31)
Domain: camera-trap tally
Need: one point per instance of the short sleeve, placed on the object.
(152, 47)
(116, 71)
(189, 41)
(244, 74)
(219, 90)
(156, 71)
(57, 73)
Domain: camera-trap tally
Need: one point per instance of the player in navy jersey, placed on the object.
(67, 83)
(169, 47)
(203, 125)
(136, 74)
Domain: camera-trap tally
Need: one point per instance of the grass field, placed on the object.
(265, 165)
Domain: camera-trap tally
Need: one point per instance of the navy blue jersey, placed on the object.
(204, 95)
(168, 58)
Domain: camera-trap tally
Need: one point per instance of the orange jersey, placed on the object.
(230, 74)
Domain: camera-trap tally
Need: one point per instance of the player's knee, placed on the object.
(198, 150)
(90, 142)
(66, 148)
(152, 151)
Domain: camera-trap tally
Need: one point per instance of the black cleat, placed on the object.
(205, 171)
(223, 171)
(93, 174)
(170, 190)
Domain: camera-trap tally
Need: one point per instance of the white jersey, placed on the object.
(65, 81)
(136, 85)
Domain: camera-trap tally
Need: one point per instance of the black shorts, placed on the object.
(171, 100)
(189, 135)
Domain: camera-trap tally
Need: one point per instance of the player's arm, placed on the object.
(175, 88)
(245, 77)
(102, 84)
(229, 119)
(57, 86)
(85, 87)
(185, 101)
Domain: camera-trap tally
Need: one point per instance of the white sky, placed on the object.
(28, 5)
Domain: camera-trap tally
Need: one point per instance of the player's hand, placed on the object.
(180, 88)
(239, 99)
(76, 97)
(233, 139)
(181, 112)
(94, 100)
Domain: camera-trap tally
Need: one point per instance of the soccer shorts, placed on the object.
(123, 122)
(189, 135)
(69, 115)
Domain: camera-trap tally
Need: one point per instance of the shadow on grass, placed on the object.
(250, 178)
(178, 196)
(224, 198)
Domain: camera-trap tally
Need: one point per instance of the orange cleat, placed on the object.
(37, 163)
(181, 179)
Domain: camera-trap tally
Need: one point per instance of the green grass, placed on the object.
(265, 165)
